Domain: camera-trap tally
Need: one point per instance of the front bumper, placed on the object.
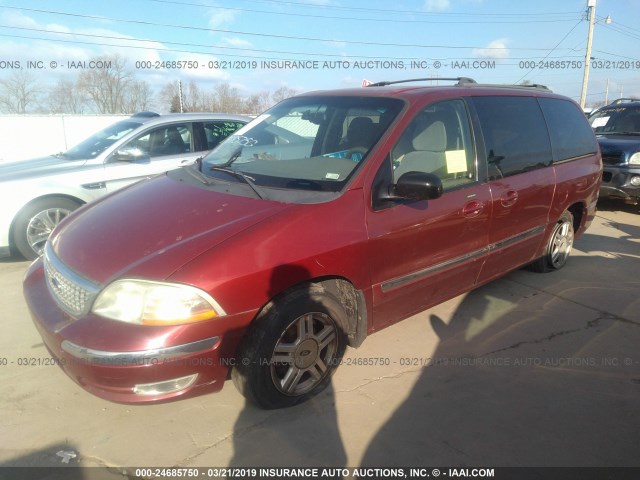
(616, 182)
(132, 363)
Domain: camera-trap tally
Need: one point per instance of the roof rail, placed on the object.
(532, 85)
(460, 80)
(624, 100)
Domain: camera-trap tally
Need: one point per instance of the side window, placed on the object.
(215, 132)
(438, 141)
(571, 135)
(165, 140)
(515, 134)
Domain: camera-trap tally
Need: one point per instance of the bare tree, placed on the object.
(227, 99)
(19, 91)
(223, 98)
(105, 87)
(282, 93)
(66, 97)
(137, 97)
(169, 95)
(257, 103)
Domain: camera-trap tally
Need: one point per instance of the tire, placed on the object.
(36, 221)
(292, 349)
(559, 246)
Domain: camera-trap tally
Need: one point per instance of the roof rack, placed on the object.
(624, 100)
(460, 80)
(531, 85)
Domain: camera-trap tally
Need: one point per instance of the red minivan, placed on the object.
(332, 215)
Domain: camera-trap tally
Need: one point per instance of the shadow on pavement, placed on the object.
(531, 370)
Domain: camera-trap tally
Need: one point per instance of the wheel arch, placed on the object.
(578, 210)
(31, 202)
(350, 298)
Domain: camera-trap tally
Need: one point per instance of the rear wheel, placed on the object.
(36, 221)
(293, 348)
(559, 246)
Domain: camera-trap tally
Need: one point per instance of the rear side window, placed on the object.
(571, 135)
(515, 134)
(218, 131)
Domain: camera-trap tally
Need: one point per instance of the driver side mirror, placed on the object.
(132, 155)
(418, 186)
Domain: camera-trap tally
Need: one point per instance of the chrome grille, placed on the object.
(73, 293)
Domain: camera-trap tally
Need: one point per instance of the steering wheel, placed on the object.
(357, 150)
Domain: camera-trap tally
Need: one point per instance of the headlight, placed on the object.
(635, 159)
(144, 302)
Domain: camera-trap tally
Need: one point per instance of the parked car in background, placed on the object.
(617, 128)
(329, 217)
(35, 195)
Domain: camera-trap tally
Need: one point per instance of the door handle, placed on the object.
(472, 209)
(509, 198)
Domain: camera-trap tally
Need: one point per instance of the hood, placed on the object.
(153, 228)
(37, 167)
(617, 149)
(619, 143)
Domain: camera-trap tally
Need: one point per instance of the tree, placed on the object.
(19, 91)
(227, 99)
(257, 103)
(113, 89)
(137, 97)
(66, 97)
(282, 93)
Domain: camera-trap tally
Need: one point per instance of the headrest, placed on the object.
(433, 138)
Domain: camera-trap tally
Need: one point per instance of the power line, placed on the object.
(208, 52)
(551, 51)
(262, 35)
(395, 11)
(544, 19)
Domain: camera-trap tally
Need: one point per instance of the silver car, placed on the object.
(35, 195)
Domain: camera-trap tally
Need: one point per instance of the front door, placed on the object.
(424, 252)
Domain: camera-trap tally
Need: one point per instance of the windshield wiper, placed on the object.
(198, 175)
(247, 179)
(232, 159)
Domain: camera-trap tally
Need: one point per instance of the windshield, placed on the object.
(625, 120)
(305, 143)
(99, 142)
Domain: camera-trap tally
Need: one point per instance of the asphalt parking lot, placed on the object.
(530, 370)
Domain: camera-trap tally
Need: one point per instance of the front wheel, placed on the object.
(292, 349)
(36, 221)
(559, 246)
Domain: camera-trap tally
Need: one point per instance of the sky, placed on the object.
(258, 45)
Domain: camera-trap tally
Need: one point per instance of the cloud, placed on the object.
(236, 42)
(496, 49)
(336, 44)
(436, 5)
(221, 17)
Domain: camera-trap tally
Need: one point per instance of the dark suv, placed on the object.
(617, 128)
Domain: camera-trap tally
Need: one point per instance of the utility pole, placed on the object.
(180, 94)
(591, 9)
(606, 94)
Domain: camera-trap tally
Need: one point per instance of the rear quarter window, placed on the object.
(515, 134)
(570, 133)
